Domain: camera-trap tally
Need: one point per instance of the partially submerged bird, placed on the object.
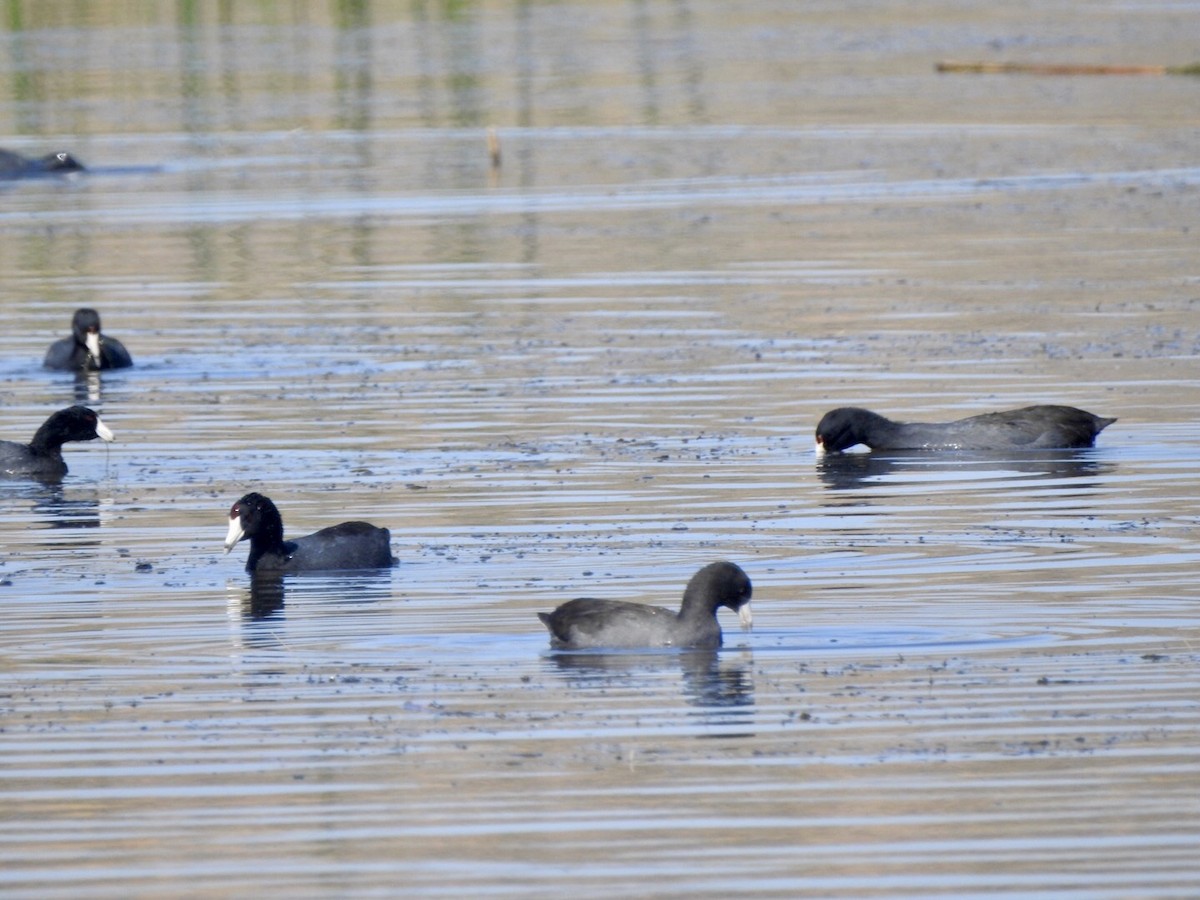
(87, 349)
(350, 545)
(1028, 428)
(587, 623)
(42, 457)
(14, 165)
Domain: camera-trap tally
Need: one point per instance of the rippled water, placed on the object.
(589, 372)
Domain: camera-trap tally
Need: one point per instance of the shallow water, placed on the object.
(589, 372)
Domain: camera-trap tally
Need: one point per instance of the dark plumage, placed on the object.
(87, 349)
(587, 623)
(350, 545)
(14, 165)
(1029, 428)
(42, 457)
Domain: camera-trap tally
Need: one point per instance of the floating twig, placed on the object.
(493, 144)
(1020, 68)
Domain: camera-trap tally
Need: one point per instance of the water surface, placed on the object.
(591, 371)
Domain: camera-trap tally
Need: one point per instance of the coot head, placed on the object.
(85, 325)
(61, 163)
(75, 423)
(254, 516)
(844, 427)
(720, 584)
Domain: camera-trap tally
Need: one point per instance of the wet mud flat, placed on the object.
(590, 373)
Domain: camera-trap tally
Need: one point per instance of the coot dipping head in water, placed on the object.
(87, 349)
(1029, 428)
(14, 165)
(350, 545)
(615, 624)
(42, 457)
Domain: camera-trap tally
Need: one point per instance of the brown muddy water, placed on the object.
(590, 371)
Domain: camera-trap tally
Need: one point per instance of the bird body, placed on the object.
(350, 545)
(42, 458)
(1029, 428)
(617, 624)
(87, 349)
(14, 165)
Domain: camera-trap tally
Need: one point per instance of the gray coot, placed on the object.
(587, 623)
(350, 545)
(42, 457)
(87, 349)
(1028, 428)
(14, 165)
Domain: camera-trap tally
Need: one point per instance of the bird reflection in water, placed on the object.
(87, 387)
(264, 599)
(721, 684)
(265, 595)
(53, 506)
(853, 471)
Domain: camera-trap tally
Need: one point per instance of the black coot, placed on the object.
(586, 623)
(14, 165)
(1029, 428)
(42, 457)
(87, 349)
(351, 545)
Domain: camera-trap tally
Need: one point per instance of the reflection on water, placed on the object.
(87, 388)
(52, 505)
(59, 511)
(263, 599)
(264, 595)
(711, 679)
(853, 471)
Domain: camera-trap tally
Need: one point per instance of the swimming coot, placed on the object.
(1029, 428)
(14, 165)
(351, 545)
(87, 349)
(42, 457)
(587, 623)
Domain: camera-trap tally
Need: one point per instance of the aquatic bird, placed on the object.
(42, 457)
(87, 349)
(1028, 428)
(587, 623)
(14, 165)
(350, 545)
